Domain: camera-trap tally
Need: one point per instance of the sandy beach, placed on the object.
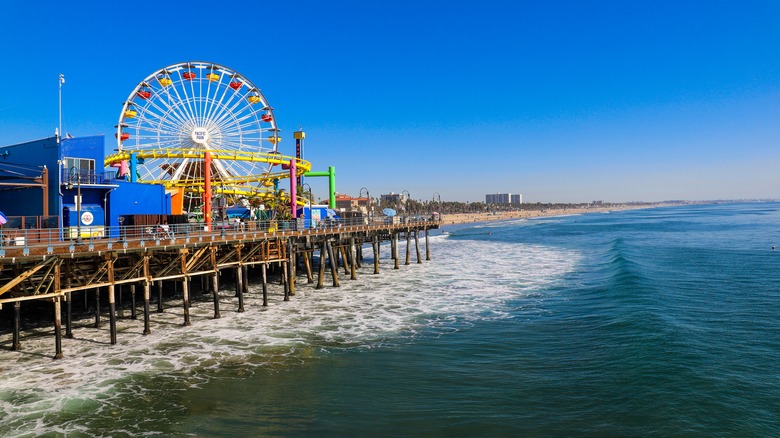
(463, 218)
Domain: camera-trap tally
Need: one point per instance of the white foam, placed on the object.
(465, 282)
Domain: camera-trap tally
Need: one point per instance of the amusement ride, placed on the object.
(206, 130)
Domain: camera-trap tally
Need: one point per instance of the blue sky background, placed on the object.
(562, 101)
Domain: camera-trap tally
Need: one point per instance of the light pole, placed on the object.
(368, 196)
(435, 195)
(76, 173)
(311, 224)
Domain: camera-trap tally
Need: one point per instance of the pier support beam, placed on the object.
(321, 267)
(159, 296)
(285, 281)
(215, 293)
(118, 299)
(69, 315)
(97, 307)
(133, 314)
(147, 293)
(112, 313)
(427, 246)
(394, 250)
(16, 345)
(291, 266)
(307, 256)
(263, 268)
(240, 288)
(417, 246)
(347, 260)
(245, 273)
(57, 328)
(334, 270)
(185, 291)
(352, 259)
(375, 245)
(408, 248)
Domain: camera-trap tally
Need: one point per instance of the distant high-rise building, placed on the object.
(503, 198)
(498, 198)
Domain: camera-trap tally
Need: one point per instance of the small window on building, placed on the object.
(84, 167)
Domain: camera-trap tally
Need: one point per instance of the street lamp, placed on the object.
(311, 225)
(406, 203)
(370, 205)
(75, 173)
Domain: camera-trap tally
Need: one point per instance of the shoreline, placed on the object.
(467, 218)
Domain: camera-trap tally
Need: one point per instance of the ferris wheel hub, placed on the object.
(200, 135)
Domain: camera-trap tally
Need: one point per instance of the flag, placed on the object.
(3, 219)
(62, 78)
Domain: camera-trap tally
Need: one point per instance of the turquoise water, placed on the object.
(659, 322)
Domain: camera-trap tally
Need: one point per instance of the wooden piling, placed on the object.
(245, 282)
(240, 289)
(291, 266)
(333, 268)
(375, 247)
(417, 247)
(68, 302)
(341, 250)
(159, 296)
(408, 248)
(57, 329)
(185, 290)
(395, 250)
(321, 267)
(112, 311)
(16, 345)
(215, 293)
(427, 246)
(147, 293)
(69, 315)
(97, 307)
(118, 298)
(132, 302)
(307, 264)
(285, 283)
(265, 285)
(352, 259)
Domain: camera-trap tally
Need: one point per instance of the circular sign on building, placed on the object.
(87, 218)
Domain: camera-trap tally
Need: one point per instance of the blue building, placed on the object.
(79, 193)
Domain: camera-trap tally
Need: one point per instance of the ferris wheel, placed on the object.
(180, 112)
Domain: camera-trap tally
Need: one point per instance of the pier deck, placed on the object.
(53, 271)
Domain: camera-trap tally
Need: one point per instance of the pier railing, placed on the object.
(48, 240)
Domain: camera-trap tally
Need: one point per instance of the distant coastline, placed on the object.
(464, 218)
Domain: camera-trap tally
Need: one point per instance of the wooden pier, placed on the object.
(55, 272)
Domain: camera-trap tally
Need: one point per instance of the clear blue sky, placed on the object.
(562, 101)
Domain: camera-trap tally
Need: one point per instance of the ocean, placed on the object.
(654, 322)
